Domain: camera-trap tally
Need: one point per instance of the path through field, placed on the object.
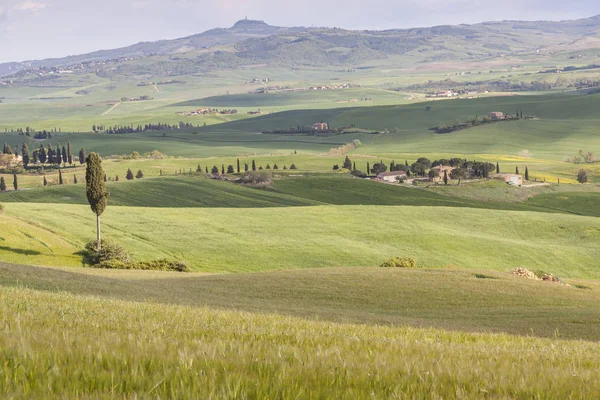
(156, 87)
(112, 108)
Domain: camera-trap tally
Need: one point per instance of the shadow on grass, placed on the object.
(20, 251)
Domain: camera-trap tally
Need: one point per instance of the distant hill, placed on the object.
(251, 42)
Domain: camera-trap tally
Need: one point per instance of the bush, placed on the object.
(399, 262)
(153, 265)
(358, 174)
(110, 252)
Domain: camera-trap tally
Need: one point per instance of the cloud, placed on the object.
(30, 6)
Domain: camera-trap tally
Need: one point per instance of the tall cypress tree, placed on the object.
(15, 182)
(65, 156)
(253, 166)
(222, 169)
(96, 190)
(60, 179)
(75, 179)
(517, 170)
(82, 156)
(238, 166)
(497, 168)
(526, 173)
(368, 169)
(42, 154)
(58, 155)
(45, 182)
(245, 167)
(445, 177)
(2, 184)
(25, 151)
(69, 154)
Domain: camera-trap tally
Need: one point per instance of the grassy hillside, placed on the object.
(237, 240)
(474, 301)
(74, 346)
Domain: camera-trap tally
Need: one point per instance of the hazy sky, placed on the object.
(37, 29)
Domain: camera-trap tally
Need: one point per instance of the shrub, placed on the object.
(399, 262)
(358, 174)
(153, 265)
(110, 252)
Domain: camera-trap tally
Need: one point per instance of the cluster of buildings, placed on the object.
(206, 111)
(401, 176)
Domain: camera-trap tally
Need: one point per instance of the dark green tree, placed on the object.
(245, 167)
(275, 166)
(2, 184)
(139, 174)
(253, 166)
(582, 177)
(526, 173)
(214, 170)
(198, 168)
(58, 156)
(293, 166)
(238, 166)
(25, 154)
(7, 149)
(69, 154)
(445, 177)
(42, 154)
(368, 169)
(15, 182)
(347, 163)
(222, 169)
(60, 178)
(45, 181)
(96, 190)
(65, 156)
(230, 169)
(75, 179)
(129, 175)
(497, 168)
(82, 156)
(517, 170)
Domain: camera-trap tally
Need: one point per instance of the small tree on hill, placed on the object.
(45, 181)
(433, 174)
(445, 177)
(139, 174)
(116, 178)
(25, 154)
(69, 154)
(214, 170)
(198, 168)
(15, 182)
(293, 166)
(230, 169)
(526, 173)
(96, 190)
(245, 167)
(82, 156)
(238, 166)
(368, 169)
(275, 166)
(60, 178)
(129, 175)
(582, 177)
(497, 168)
(75, 179)
(42, 154)
(347, 163)
(253, 166)
(65, 156)
(517, 170)
(2, 184)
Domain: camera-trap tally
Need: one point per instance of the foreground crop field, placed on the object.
(110, 348)
(235, 240)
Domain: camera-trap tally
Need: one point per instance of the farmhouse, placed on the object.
(391, 176)
(496, 116)
(511, 179)
(441, 169)
(320, 126)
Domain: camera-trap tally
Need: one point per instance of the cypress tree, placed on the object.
(25, 154)
(497, 168)
(245, 167)
(445, 177)
(75, 179)
(129, 175)
(214, 170)
(60, 178)
(65, 156)
(206, 169)
(116, 178)
(230, 169)
(2, 184)
(58, 155)
(139, 174)
(69, 153)
(253, 166)
(96, 190)
(238, 166)
(368, 169)
(45, 182)
(42, 154)
(198, 168)
(354, 166)
(82, 156)
(526, 173)
(222, 169)
(517, 170)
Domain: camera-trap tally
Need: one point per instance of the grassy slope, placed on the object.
(499, 302)
(57, 345)
(262, 239)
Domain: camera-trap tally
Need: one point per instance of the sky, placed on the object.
(39, 29)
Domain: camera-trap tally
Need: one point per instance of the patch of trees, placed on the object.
(583, 158)
(28, 131)
(142, 128)
(473, 122)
